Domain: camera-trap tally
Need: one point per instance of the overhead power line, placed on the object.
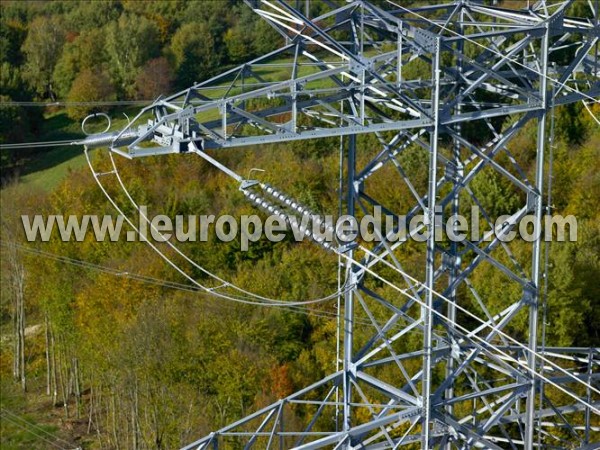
(25, 145)
(167, 284)
(67, 103)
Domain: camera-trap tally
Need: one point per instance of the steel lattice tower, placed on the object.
(448, 86)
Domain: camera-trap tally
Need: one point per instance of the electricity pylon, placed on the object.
(430, 357)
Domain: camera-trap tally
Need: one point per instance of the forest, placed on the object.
(103, 346)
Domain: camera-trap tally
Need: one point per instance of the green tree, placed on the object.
(87, 16)
(495, 193)
(568, 299)
(167, 14)
(266, 39)
(42, 48)
(11, 82)
(193, 48)
(89, 86)
(239, 44)
(130, 42)
(85, 52)
(238, 39)
(12, 35)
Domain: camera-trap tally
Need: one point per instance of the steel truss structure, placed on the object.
(444, 89)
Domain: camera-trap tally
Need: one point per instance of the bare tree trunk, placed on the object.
(114, 420)
(91, 407)
(76, 387)
(48, 368)
(21, 331)
(17, 342)
(64, 380)
(134, 416)
(17, 279)
(95, 413)
(54, 369)
(156, 419)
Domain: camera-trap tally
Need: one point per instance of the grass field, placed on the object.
(47, 168)
(47, 171)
